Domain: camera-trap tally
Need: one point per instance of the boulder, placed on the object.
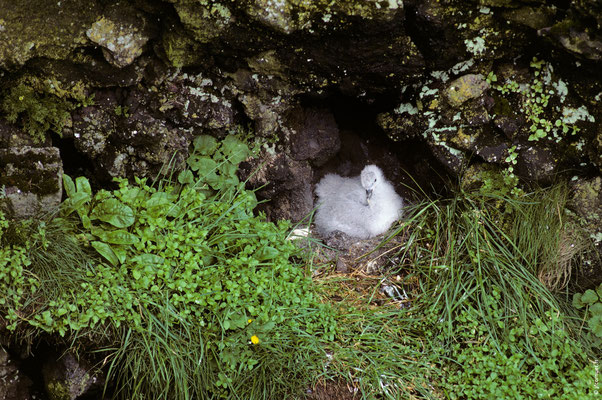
(67, 377)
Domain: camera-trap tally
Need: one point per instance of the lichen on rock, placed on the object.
(122, 34)
(288, 16)
(206, 19)
(50, 29)
(464, 88)
(31, 178)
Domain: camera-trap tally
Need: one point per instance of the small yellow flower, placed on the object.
(249, 321)
(21, 98)
(254, 339)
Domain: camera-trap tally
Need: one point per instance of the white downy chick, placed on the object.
(363, 206)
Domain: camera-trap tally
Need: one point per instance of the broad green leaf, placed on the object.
(599, 290)
(577, 303)
(235, 150)
(589, 297)
(86, 221)
(129, 195)
(193, 162)
(106, 251)
(69, 185)
(205, 144)
(594, 321)
(83, 185)
(159, 202)
(596, 309)
(114, 212)
(160, 199)
(186, 176)
(147, 259)
(120, 236)
(206, 167)
(174, 211)
(598, 330)
(120, 252)
(238, 322)
(79, 199)
(228, 169)
(77, 203)
(267, 253)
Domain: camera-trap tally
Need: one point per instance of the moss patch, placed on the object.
(40, 33)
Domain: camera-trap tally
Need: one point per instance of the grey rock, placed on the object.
(206, 20)
(288, 16)
(315, 135)
(26, 31)
(31, 178)
(586, 202)
(13, 384)
(122, 34)
(537, 163)
(283, 181)
(201, 101)
(67, 377)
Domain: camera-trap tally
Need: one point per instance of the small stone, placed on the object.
(342, 267)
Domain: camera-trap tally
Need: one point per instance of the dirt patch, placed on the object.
(333, 391)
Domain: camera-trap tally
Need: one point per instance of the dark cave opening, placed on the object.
(75, 163)
(408, 163)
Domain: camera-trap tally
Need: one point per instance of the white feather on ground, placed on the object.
(363, 206)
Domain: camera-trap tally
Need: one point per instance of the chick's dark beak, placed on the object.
(368, 195)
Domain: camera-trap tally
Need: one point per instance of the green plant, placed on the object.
(198, 296)
(478, 259)
(535, 102)
(591, 300)
(37, 113)
(481, 368)
(43, 104)
(383, 351)
(122, 111)
(15, 279)
(510, 179)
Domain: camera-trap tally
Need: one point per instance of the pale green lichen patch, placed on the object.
(123, 41)
(58, 391)
(207, 19)
(572, 115)
(536, 99)
(475, 46)
(406, 108)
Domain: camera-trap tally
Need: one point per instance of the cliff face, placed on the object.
(118, 87)
(497, 93)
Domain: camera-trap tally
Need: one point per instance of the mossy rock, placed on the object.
(41, 33)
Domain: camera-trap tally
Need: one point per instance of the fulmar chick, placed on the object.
(363, 206)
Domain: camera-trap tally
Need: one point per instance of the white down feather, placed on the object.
(363, 206)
